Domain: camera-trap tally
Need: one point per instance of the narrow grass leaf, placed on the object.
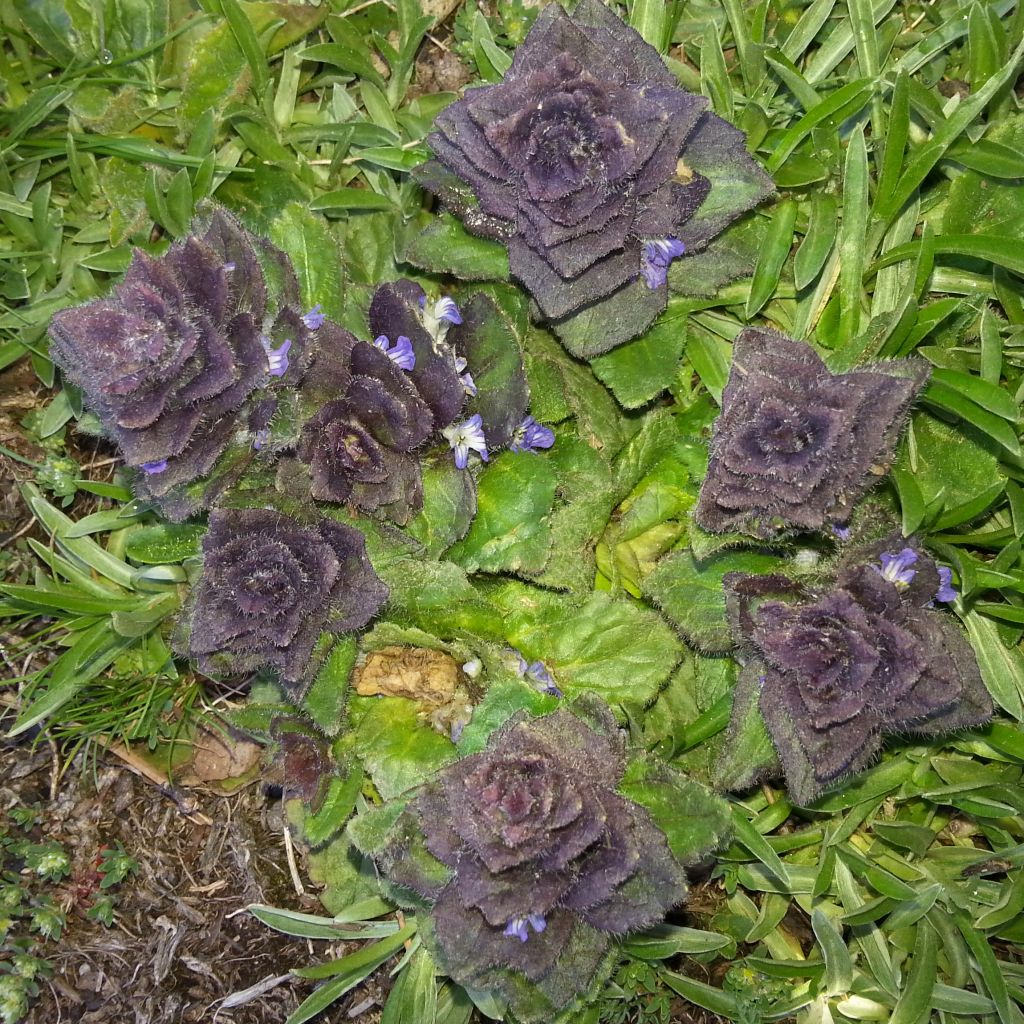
(852, 241)
(926, 156)
(838, 964)
(841, 104)
(1002, 667)
(774, 249)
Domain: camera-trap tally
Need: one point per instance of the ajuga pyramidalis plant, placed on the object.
(530, 861)
(593, 166)
(168, 359)
(269, 588)
(796, 446)
(834, 669)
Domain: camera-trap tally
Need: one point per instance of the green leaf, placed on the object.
(988, 396)
(838, 962)
(610, 321)
(398, 750)
(695, 821)
(413, 999)
(509, 532)
(915, 999)
(314, 252)
(325, 700)
(585, 501)
(730, 256)
(774, 251)
(726, 1004)
(335, 809)
(691, 595)
(600, 422)
(167, 542)
(747, 753)
(612, 648)
(1002, 667)
(947, 462)
(818, 241)
(756, 843)
(344, 199)
(664, 941)
(641, 369)
(437, 597)
(446, 247)
(449, 504)
(502, 700)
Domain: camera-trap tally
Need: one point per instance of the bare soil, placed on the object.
(181, 941)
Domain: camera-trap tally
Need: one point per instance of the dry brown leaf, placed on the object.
(430, 677)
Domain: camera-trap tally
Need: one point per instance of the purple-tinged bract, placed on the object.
(837, 669)
(587, 151)
(269, 588)
(795, 445)
(169, 357)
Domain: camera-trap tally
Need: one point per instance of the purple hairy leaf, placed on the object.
(585, 160)
(167, 360)
(796, 446)
(368, 408)
(269, 588)
(836, 669)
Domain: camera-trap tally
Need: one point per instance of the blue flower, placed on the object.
(516, 928)
(467, 379)
(314, 318)
(841, 532)
(945, 591)
(538, 673)
(438, 317)
(896, 568)
(401, 353)
(261, 438)
(151, 468)
(277, 359)
(657, 256)
(464, 437)
(530, 435)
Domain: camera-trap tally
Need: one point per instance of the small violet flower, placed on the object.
(439, 317)
(464, 437)
(277, 359)
(656, 257)
(538, 673)
(945, 591)
(314, 318)
(896, 568)
(261, 438)
(151, 468)
(467, 378)
(840, 532)
(516, 928)
(400, 353)
(531, 435)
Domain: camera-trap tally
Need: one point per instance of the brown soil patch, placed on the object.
(178, 947)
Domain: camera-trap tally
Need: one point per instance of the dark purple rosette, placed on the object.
(270, 587)
(796, 446)
(167, 360)
(592, 165)
(834, 670)
(532, 860)
(368, 411)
